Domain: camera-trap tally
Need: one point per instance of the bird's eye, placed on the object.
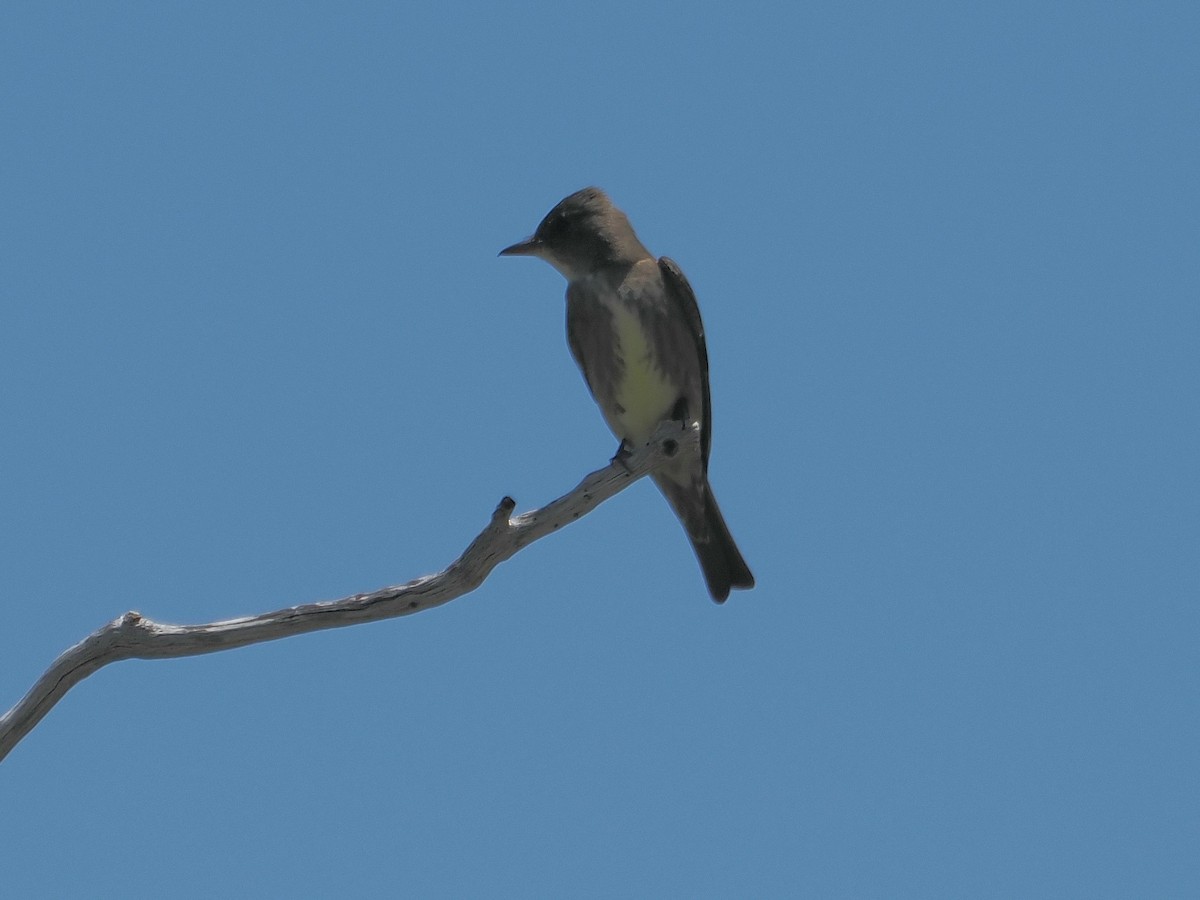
(556, 227)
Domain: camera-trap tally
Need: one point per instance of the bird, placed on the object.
(634, 330)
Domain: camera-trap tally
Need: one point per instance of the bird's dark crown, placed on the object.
(585, 229)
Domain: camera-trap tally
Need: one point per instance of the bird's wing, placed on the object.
(682, 300)
(588, 333)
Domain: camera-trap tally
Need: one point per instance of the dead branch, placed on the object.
(133, 636)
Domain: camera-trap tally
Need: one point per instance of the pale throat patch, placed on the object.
(642, 390)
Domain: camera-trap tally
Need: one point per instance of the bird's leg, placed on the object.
(624, 451)
(679, 413)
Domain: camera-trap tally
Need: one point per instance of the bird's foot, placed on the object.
(624, 451)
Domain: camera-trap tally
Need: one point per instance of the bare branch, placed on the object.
(133, 636)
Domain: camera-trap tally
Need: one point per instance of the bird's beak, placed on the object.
(528, 247)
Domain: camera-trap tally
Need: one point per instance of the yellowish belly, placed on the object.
(642, 391)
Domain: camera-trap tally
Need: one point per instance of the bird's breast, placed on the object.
(643, 393)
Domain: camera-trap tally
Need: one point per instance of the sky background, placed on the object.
(256, 349)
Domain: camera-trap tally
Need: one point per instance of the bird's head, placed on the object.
(582, 234)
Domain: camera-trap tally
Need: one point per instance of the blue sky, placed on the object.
(256, 349)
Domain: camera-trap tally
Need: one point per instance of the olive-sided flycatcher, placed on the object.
(635, 331)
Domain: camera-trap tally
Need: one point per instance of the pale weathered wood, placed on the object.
(133, 636)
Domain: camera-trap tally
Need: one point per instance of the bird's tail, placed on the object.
(719, 557)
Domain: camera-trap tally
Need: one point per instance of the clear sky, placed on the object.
(256, 349)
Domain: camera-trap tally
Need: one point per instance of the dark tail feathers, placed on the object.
(719, 556)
